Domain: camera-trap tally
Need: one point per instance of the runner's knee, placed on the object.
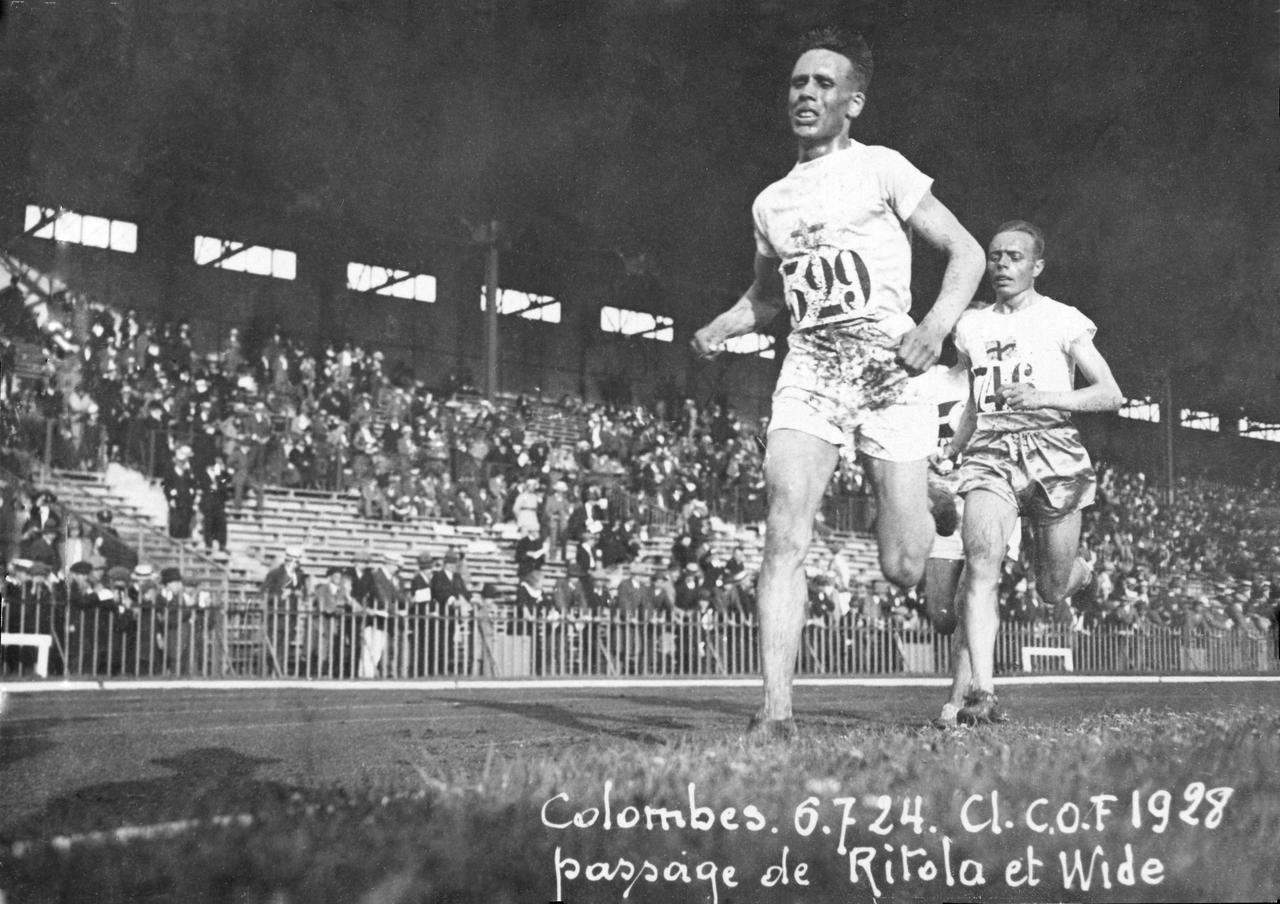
(902, 566)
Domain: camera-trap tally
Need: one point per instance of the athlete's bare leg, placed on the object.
(904, 527)
(988, 520)
(797, 469)
(1059, 571)
(961, 664)
(941, 580)
(944, 601)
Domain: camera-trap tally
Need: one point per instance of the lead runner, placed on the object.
(833, 244)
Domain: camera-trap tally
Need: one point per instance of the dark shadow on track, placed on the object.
(20, 740)
(206, 781)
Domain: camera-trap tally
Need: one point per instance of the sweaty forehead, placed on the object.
(824, 62)
(1014, 240)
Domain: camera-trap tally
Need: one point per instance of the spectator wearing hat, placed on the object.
(43, 548)
(424, 622)
(215, 491)
(256, 433)
(244, 479)
(115, 552)
(331, 601)
(371, 603)
(176, 638)
(286, 592)
(634, 605)
(83, 580)
(529, 602)
(557, 510)
(88, 601)
(140, 599)
(180, 489)
(531, 552)
(687, 587)
(451, 597)
(43, 517)
(34, 610)
(286, 585)
(388, 596)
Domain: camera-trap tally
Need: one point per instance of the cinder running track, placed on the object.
(95, 759)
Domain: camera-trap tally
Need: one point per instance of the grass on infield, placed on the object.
(893, 813)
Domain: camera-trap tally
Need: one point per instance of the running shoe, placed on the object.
(981, 708)
(948, 717)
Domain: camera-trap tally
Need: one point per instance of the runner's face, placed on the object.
(1012, 265)
(822, 100)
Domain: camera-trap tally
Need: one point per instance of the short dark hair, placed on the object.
(846, 42)
(1031, 229)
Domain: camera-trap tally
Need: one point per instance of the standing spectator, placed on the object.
(331, 601)
(451, 597)
(525, 508)
(215, 490)
(176, 636)
(634, 599)
(180, 487)
(285, 590)
(142, 592)
(424, 623)
(531, 554)
(386, 596)
(257, 432)
(557, 509)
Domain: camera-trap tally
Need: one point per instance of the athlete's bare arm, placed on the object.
(966, 264)
(968, 418)
(1102, 393)
(755, 309)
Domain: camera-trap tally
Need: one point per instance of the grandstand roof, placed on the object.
(1141, 136)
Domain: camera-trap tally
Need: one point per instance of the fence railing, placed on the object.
(111, 637)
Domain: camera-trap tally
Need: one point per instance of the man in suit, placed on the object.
(215, 490)
(389, 598)
(285, 591)
(635, 598)
(424, 624)
(331, 603)
(177, 634)
(451, 597)
(180, 487)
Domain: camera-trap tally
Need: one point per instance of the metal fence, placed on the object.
(204, 639)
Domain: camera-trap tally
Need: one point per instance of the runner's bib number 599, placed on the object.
(824, 286)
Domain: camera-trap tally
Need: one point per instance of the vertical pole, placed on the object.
(491, 312)
(1170, 421)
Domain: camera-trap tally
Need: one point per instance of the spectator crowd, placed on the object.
(216, 427)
